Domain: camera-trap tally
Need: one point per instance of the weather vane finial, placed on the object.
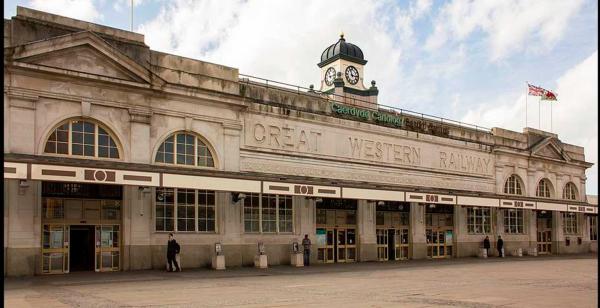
(342, 35)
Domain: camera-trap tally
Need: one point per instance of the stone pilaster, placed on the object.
(418, 244)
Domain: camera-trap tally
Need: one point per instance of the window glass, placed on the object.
(513, 186)
(543, 189)
(165, 209)
(593, 228)
(206, 210)
(86, 139)
(513, 221)
(570, 223)
(184, 149)
(570, 192)
(251, 213)
(268, 213)
(186, 202)
(285, 213)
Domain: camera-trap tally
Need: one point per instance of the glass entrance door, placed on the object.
(401, 244)
(55, 249)
(544, 235)
(382, 244)
(439, 242)
(107, 248)
(326, 243)
(345, 245)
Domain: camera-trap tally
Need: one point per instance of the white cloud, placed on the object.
(78, 9)
(273, 40)
(510, 26)
(121, 5)
(575, 115)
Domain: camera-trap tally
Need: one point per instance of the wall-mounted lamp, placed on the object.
(318, 200)
(543, 212)
(23, 185)
(432, 206)
(236, 197)
(380, 203)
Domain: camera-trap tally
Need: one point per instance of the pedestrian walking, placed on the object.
(500, 247)
(172, 251)
(306, 245)
(486, 245)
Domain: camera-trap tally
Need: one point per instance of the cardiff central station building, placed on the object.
(109, 146)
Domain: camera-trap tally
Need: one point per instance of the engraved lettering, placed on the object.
(274, 132)
(259, 132)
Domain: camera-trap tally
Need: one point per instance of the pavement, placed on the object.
(545, 281)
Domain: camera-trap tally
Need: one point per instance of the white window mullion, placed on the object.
(260, 199)
(175, 210)
(96, 145)
(69, 138)
(277, 214)
(195, 151)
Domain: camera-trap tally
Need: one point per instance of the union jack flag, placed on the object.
(536, 91)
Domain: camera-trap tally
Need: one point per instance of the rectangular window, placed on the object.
(206, 210)
(193, 210)
(593, 228)
(165, 209)
(252, 213)
(479, 220)
(186, 202)
(285, 213)
(570, 223)
(513, 221)
(268, 214)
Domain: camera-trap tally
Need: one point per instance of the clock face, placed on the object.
(352, 74)
(329, 76)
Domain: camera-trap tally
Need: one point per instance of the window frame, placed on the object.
(97, 126)
(517, 221)
(544, 184)
(572, 189)
(197, 139)
(473, 213)
(517, 186)
(570, 223)
(277, 221)
(593, 227)
(196, 206)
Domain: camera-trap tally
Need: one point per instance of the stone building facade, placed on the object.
(109, 146)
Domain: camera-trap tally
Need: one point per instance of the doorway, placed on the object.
(544, 232)
(439, 230)
(82, 248)
(392, 226)
(336, 230)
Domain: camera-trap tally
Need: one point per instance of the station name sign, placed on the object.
(390, 119)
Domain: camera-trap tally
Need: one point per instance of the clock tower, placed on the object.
(342, 70)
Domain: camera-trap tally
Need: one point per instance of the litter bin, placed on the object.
(533, 251)
(483, 253)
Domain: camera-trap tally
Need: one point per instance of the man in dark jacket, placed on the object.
(172, 251)
(306, 245)
(500, 246)
(486, 245)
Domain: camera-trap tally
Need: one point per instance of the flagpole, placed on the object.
(551, 116)
(540, 114)
(526, 94)
(131, 15)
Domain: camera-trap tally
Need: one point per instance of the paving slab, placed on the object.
(550, 281)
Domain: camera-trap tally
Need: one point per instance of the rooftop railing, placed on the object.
(258, 81)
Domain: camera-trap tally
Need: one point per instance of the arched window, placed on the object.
(544, 188)
(513, 185)
(184, 149)
(570, 191)
(82, 138)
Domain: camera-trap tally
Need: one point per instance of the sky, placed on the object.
(463, 60)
